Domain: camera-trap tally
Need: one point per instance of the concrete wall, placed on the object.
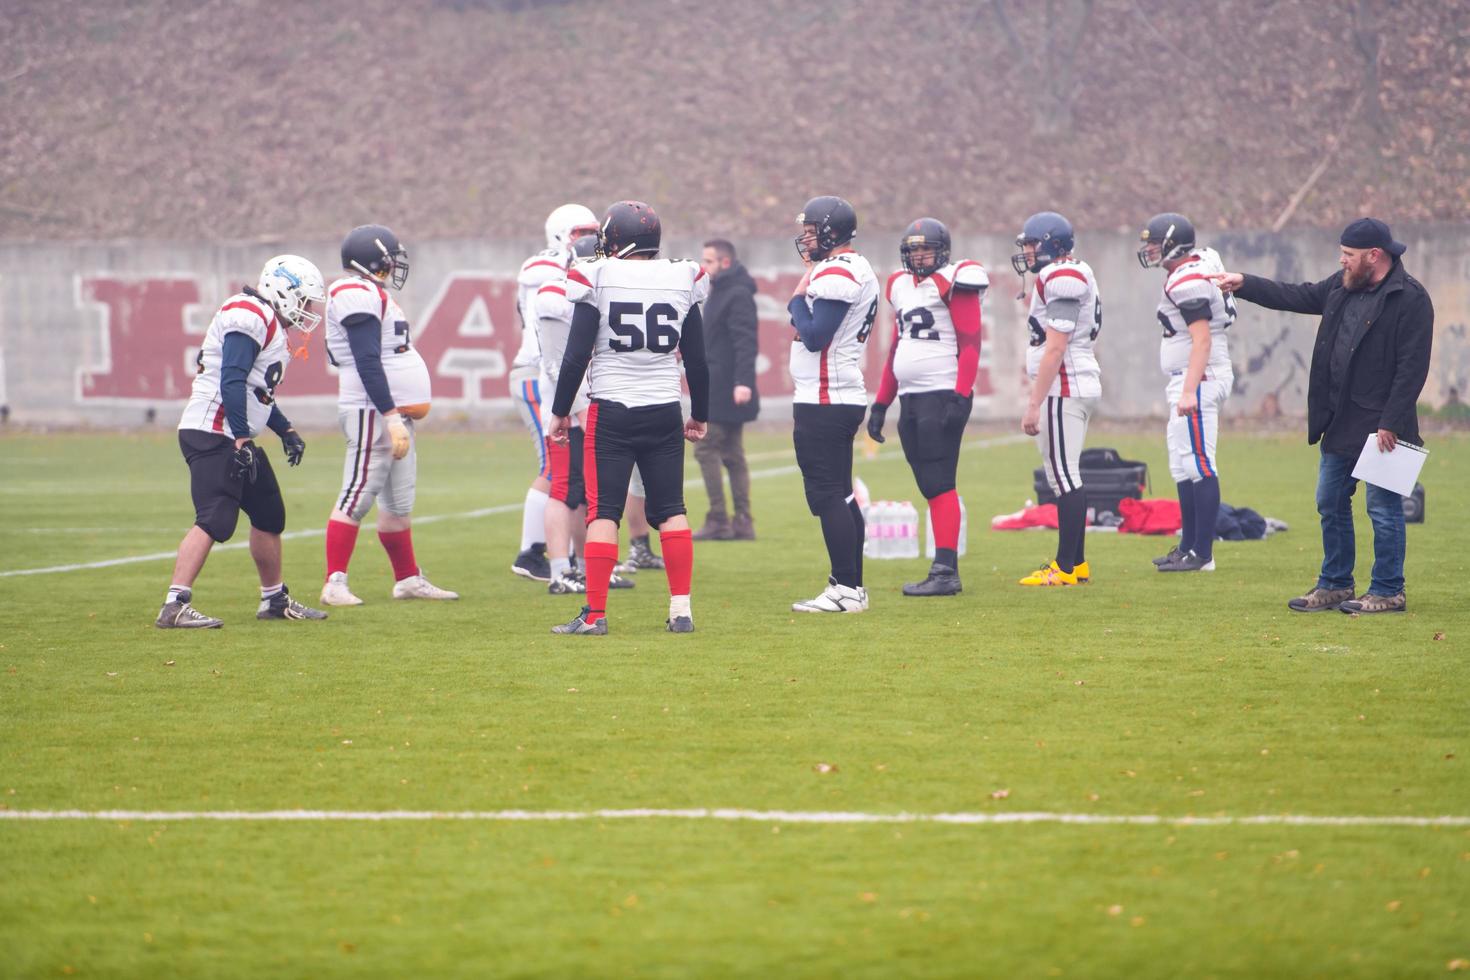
(100, 334)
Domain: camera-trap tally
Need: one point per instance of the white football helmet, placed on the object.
(290, 284)
(568, 222)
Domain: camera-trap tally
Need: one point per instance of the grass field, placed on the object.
(1138, 695)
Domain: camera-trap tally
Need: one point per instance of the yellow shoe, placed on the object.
(1082, 573)
(1050, 574)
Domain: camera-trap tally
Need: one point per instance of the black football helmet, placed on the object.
(374, 251)
(1053, 237)
(836, 224)
(1171, 234)
(925, 233)
(584, 247)
(629, 228)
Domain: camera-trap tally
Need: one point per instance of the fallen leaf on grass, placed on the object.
(169, 663)
(1439, 634)
(867, 896)
(1455, 966)
(112, 673)
(1000, 794)
(1115, 910)
(1394, 906)
(824, 768)
(1137, 921)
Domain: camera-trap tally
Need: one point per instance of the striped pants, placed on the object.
(1063, 431)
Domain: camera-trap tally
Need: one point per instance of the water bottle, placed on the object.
(906, 528)
(872, 540)
(964, 529)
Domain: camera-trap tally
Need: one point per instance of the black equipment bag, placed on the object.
(1107, 478)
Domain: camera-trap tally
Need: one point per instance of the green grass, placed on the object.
(1137, 694)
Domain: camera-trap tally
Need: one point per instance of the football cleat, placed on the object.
(1190, 562)
(336, 593)
(1083, 572)
(182, 616)
(616, 581)
(1174, 555)
(1050, 574)
(680, 624)
(579, 626)
(282, 606)
(834, 599)
(942, 580)
(642, 558)
(532, 564)
(566, 585)
(418, 587)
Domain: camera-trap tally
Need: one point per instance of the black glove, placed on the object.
(242, 463)
(294, 445)
(956, 410)
(876, 415)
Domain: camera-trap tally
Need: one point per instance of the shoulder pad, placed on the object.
(968, 274)
(1063, 281)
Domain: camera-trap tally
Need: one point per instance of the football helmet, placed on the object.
(568, 222)
(836, 224)
(1171, 234)
(925, 233)
(629, 228)
(584, 247)
(1052, 235)
(374, 251)
(291, 284)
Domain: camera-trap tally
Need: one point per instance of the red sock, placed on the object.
(399, 545)
(341, 539)
(600, 557)
(944, 515)
(678, 548)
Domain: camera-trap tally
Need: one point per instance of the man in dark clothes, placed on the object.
(730, 345)
(1369, 364)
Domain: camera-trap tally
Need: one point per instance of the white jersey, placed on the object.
(553, 313)
(1069, 284)
(543, 267)
(1189, 295)
(407, 374)
(834, 374)
(926, 355)
(257, 320)
(641, 305)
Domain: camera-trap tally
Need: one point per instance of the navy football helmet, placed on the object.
(584, 247)
(629, 228)
(925, 233)
(1168, 236)
(374, 251)
(1052, 235)
(836, 224)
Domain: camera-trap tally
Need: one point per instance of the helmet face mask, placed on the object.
(925, 247)
(828, 223)
(1049, 237)
(629, 228)
(294, 289)
(1167, 237)
(374, 251)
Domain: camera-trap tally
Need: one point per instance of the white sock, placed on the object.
(533, 518)
(679, 606)
(560, 567)
(266, 591)
(176, 593)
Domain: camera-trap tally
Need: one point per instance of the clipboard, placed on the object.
(1396, 470)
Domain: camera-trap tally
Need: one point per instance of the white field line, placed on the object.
(433, 518)
(733, 815)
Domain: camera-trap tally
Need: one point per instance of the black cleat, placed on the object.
(942, 580)
(680, 624)
(579, 626)
(1190, 562)
(1174, 555)
(182, 616)
(532, 564)
(282, 606)
(616, 581)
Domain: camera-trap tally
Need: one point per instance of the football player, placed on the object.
(931, 370)
(832, 309)
(382, 390)
(563, 225)
(1065, 318)
(1195, 356)
(242, 360)
(634, 315)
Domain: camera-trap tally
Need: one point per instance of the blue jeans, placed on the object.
(1335, 488)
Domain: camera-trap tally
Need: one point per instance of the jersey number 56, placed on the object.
(659, 331)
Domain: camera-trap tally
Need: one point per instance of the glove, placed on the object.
(956, 411)
(243, 464)
(398, 432)
(876, 415)
(294, 445)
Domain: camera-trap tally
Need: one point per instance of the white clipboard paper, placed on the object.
(1397, 470)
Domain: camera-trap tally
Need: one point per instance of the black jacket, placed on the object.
(1386, 369)
(730, 345)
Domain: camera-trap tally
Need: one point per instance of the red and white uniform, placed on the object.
(1188, 284)
(1067, 280)
(405, 370)
(642, 304)
(553, 313)
(834, 374)
(926, 347)
(546, 266)
(257, 320)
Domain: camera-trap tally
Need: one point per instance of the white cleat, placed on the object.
(834, 599)
(418, 587)
(336, 593)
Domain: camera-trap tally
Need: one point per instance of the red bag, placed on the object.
(1158, 516)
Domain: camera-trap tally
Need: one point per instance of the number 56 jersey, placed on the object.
(1068, 288)
(641, 305)
(255, 319)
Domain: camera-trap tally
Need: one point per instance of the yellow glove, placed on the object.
(398, 432)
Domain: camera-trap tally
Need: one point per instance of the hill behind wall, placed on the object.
(242, 119)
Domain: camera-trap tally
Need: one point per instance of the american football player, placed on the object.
(382, 392)
(240, 364)
(931, 371)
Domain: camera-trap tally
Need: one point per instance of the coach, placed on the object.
(1369, 364)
